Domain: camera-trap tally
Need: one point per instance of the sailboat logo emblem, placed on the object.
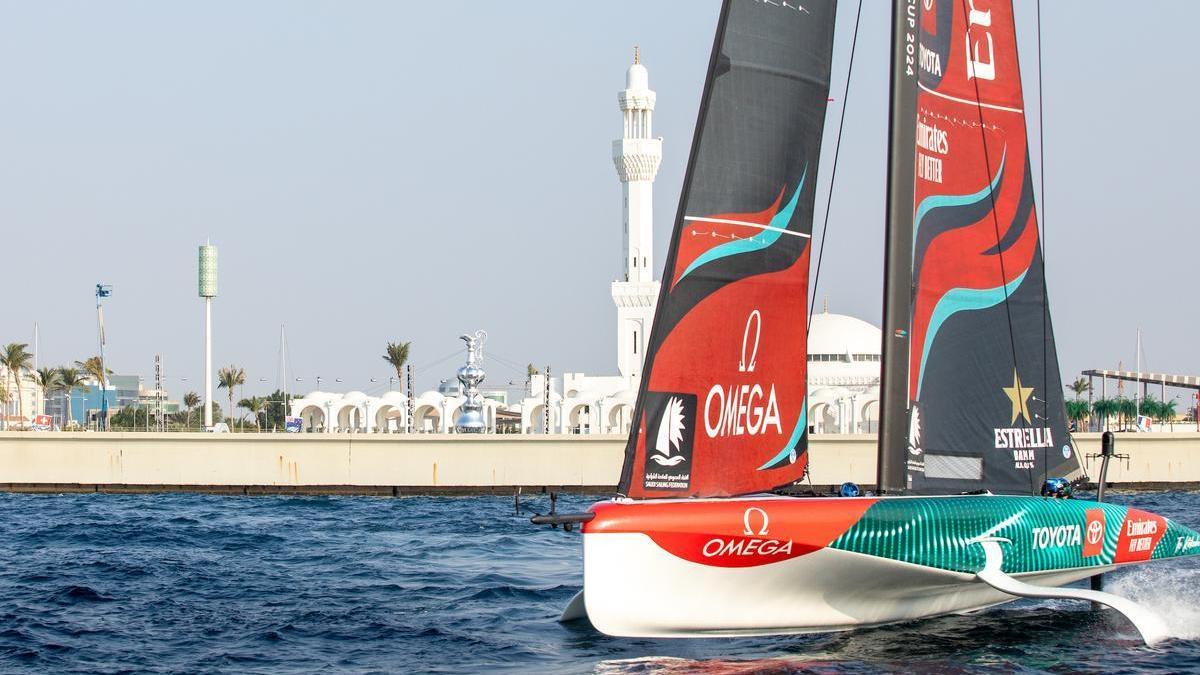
(671, 417)
(670, 434)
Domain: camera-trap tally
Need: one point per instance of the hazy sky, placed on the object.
(377, 171)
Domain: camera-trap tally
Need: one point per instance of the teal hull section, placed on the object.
(1037, 534)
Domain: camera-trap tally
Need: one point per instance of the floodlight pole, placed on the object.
(208, 291)
(102, 291)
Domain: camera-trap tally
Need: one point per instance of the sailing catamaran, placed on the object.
(973, 420)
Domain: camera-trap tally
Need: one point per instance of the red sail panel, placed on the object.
(721, 408)
(986, 405)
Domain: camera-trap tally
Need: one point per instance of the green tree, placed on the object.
(1127, 409)
(254, 405)
(1167, 412)
(396, 354)
(92, 368)
(1078, 411)
(129, 418)
(228, 378)
(48, 379)
(95, 369)
(1079, 387)
(1103, 409)
(190, 401)
(17, 361)
(198, 414)
(70, 379)
(276, 410)
(1151, 407)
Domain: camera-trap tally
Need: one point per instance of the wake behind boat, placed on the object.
(973, 426)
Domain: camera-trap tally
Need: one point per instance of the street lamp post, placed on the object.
(102, 291)
(208, 290)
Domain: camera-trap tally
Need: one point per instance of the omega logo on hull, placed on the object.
(755, 521)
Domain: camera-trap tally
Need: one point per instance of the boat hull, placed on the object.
(761, 566)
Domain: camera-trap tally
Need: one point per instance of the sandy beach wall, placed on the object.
(436, 464)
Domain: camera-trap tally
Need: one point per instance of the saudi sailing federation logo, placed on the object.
(670, 425)
(670, 434)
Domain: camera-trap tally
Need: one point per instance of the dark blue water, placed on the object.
(106, 583)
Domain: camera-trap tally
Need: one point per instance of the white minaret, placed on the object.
(637, 156)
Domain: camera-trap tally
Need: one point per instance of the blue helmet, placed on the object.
(849, 489)
(1057, 487)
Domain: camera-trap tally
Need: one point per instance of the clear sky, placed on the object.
(377, 171)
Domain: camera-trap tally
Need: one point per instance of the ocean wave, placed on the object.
(190, 583)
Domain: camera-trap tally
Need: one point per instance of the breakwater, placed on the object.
(444, 464)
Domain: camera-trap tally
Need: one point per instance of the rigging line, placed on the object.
(837, 146)
(987, 166)
(493, 356)
(427, 366)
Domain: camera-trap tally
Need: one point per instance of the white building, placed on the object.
(843, 368)
(17, 412)
(604, 404)
(843, 375)
(433, 412)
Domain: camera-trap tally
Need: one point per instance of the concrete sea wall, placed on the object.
(436, 464)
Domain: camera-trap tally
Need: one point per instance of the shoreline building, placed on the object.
(843, 374)
(586, 404)
(18, 405)
(433, 411)
(843, 357)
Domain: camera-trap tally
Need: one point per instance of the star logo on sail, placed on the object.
(1019, 395)
(1024, 440)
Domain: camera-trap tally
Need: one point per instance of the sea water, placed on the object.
(198, 583)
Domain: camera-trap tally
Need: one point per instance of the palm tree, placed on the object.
(1167, 410)
(5, 397)
(396, 354)
(1150, 407)
(1104, 408)
(16, 360)
(1079, 387)
(228, 378)
(69, 379)
(47, 379)
(94, 368)
(255, 405)
(190, 401)
(1128, 409)
(1078, 411)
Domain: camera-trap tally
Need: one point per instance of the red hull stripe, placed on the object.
(734, 533)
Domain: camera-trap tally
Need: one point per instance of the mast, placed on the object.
(897, 260)
(1137, 385)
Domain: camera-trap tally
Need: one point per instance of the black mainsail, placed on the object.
(984, 396)
(722, 405)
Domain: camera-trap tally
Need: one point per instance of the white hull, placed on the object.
(826, 590)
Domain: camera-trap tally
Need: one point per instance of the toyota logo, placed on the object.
(1095, 531)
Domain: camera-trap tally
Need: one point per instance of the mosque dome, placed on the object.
(839, 334)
